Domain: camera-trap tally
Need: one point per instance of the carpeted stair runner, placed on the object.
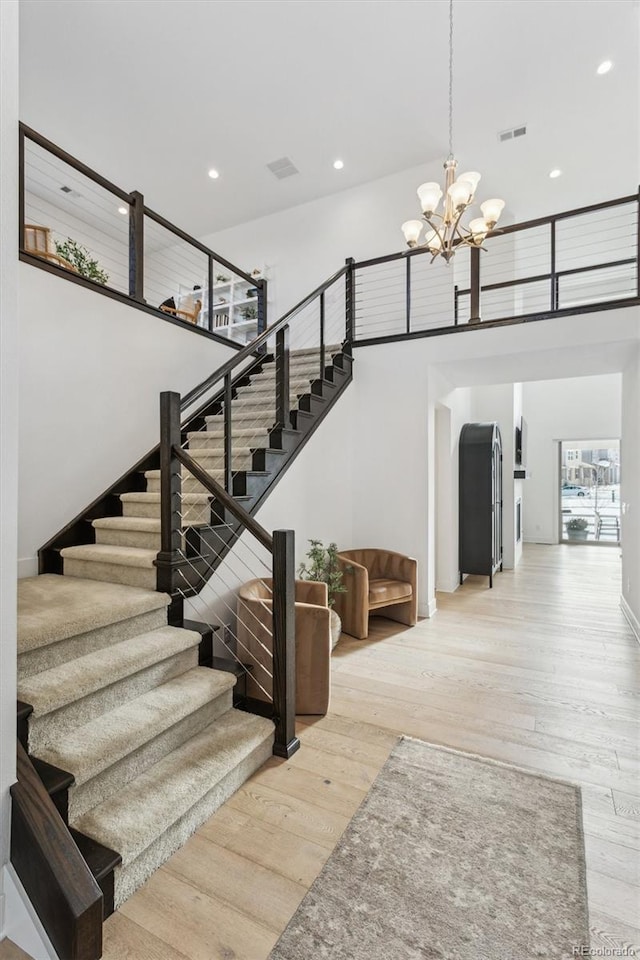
(119, 702)
(125, 547)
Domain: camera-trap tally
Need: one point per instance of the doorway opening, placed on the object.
(590, 491)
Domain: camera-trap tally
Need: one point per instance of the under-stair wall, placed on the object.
(91, 369)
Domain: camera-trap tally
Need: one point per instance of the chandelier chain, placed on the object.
(450, 79)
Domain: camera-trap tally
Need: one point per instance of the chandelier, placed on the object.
(444, 230)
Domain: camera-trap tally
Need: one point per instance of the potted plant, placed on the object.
(81, 259)
(577, 528)
(249, 313)
(322, 565)
(220, 278)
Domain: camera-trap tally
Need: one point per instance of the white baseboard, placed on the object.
(427, 609)
(633, 621)
(27, 567)
(23, 925)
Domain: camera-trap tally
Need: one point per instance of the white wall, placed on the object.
(452, 411)
(580, 408)
(8, 418)
(91, 370)
(629, 490)
(393, 427)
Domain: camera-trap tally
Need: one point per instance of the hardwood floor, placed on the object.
(541, 671)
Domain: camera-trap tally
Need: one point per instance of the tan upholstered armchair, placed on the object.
(376, 580)
(313, 642)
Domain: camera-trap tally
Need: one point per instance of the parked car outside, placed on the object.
(573, 490)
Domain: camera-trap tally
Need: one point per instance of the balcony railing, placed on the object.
(75, 222)
(573, 262)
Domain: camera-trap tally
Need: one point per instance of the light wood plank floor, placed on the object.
(541, 671)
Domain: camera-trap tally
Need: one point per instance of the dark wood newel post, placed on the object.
(228, 435)
(170, 497)
(282, 377)
(210, 293)
(136, 246)
(474, 315)
(350, 304)
(322, 343)
(284, 643)
(20, 189)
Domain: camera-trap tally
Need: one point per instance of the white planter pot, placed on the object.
(336, 628)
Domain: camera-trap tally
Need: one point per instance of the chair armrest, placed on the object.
(353, 606)
(398, 567)
(312, 591)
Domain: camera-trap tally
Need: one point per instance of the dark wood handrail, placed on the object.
(163, 222)
(225, 499)
(52, 870)
(127, 197)
(258, 341)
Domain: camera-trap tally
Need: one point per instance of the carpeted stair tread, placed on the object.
(95, 746)
(107, 553)
(142, 496)
(61, 685)
(139, 524)
(53, 608)
(238, 432)
(146, 807)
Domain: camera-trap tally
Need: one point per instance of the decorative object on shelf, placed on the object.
(222, 300)
(577, 528)
(220, 278)
(252, 292)
(249, 313)
(80, 258)
(446, 232)
(257, 273)
(323, 565)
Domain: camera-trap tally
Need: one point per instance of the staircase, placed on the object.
(149, 740)
(117, 539)
(137, 741)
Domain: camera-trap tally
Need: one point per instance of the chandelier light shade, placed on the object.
(444, 231)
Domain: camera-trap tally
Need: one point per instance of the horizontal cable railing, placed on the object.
(203, 529)
(577, 259)
(84, 227)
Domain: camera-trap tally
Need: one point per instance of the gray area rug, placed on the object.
(450, 857)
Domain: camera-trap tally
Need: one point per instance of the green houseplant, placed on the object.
(577, 528)
(322, 564)
(81, 259)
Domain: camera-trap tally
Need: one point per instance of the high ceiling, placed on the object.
(153, 94)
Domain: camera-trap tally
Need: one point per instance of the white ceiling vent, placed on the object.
(284, 167)
(513, 133)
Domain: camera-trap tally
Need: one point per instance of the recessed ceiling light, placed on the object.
(123, 210)
(604, 67)
(214, 174)
(555, 173)
(338, 164)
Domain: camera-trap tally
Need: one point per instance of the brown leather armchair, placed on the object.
(313, 642)
(376, 580)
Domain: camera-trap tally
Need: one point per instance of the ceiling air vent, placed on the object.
(282, 168)
(70, 191)
(513, 133)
